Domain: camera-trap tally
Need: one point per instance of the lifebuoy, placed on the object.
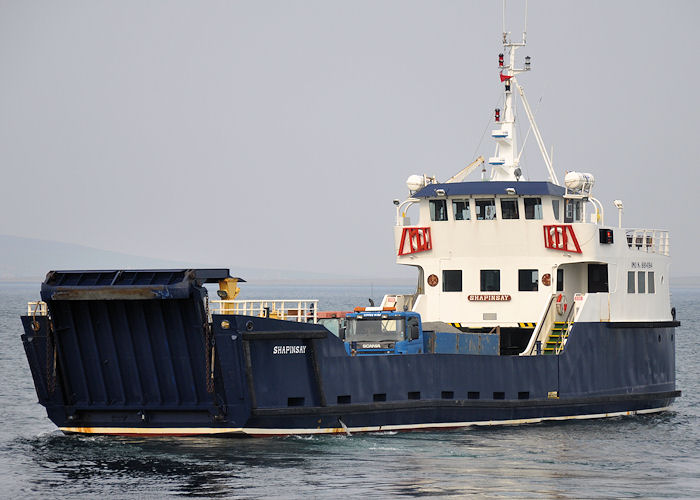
(561, 304)
(556, 237)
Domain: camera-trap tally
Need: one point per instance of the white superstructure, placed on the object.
(510, 253)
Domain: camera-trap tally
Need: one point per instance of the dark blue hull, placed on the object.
(115, 365)
(436, 415)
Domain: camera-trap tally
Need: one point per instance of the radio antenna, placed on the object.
(504, 21)
(525, 28)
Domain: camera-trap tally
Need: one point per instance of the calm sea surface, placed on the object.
(646, 456)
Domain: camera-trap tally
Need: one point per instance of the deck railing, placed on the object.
(300, 310)
(649, 240)
(37, 308)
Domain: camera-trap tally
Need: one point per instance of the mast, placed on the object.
(505, 164)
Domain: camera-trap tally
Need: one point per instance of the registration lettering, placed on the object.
(489, 298)
(289, 349)
(642, 265)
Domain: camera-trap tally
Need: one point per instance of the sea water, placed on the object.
(643, 456)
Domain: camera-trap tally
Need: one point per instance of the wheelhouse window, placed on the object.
(490, 280)
(651, 286)
(630, 281)
(460, 209)
(452, 280)
(509, 208)
(641, 281)
(572, 211)
(533, 208)
(438, 210)
(555, 209)
(486, 209)
(527, 280)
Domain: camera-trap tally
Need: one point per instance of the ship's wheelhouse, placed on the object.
(495, 254)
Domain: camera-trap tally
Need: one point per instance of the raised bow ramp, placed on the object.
(124, 347)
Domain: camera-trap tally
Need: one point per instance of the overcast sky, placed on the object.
(277, 133)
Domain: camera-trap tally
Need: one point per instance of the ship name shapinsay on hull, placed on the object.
(528, 307)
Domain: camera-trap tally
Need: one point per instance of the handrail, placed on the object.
(565, 334)
(648, 240)
(37, 308)
(544, 318)
(299, 310)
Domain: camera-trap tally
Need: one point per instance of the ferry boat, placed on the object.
(529, 307)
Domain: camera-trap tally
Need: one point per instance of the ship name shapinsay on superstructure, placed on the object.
(529, 307)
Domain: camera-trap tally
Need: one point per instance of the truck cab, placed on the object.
(373, 331)
(385, 331)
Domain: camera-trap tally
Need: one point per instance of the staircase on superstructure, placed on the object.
(557, 337)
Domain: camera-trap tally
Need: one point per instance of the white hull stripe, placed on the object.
(199, 431)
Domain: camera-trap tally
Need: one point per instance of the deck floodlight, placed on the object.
(440, 192)
(618, 204)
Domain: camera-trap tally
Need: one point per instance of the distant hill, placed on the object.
(29, 259)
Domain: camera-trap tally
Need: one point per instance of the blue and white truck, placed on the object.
(381, 331)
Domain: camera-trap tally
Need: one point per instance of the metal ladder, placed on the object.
(557, 337)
